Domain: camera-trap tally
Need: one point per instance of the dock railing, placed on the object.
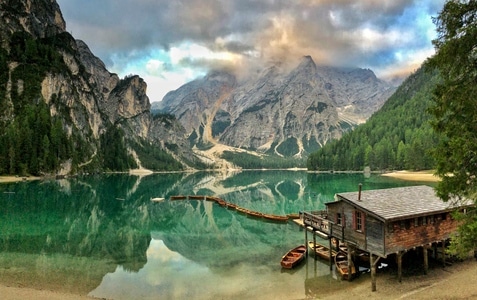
(318, 220)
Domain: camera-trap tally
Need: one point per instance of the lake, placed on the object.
(103, 236)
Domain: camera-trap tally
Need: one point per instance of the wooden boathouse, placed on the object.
(387, 221)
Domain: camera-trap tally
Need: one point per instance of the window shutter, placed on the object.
(354, 220)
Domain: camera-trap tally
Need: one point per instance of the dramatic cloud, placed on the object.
(172, 42)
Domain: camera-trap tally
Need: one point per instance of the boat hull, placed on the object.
(341, 262)
(293, 257)
(321, 251)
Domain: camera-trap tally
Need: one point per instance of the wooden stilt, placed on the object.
(331, 252)
(350, 264)
(426, 259)
(314, 242)
(399, 263)
(373, 272)
(443, 253)
(373, 262)
(306, 240)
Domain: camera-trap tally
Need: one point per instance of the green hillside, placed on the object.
(398, 136)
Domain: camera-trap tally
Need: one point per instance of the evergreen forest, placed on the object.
(33, 141)
(398, 136)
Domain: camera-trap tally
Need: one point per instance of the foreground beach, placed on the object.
(452, 282)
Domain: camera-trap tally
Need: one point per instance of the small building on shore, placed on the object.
(388, 221)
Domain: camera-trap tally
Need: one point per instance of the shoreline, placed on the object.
(427, 176)
(414, 175)
(456, 281)
(9, 179)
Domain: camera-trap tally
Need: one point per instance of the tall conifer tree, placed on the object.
(455, 112)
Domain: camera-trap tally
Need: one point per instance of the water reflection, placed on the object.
(103, 233)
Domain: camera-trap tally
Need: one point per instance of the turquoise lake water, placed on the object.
(103, 236)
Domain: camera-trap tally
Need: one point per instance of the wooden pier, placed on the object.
(233, 206)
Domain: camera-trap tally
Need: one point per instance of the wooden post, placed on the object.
(306, 239)
(314, 243)
(426, 259)
(350, 264)
(399, 263)
(331, 252)
(373, 263)
(443, 253)
(373, 272)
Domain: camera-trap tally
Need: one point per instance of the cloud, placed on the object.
(387, 36)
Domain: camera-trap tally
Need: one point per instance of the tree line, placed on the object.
(398, 136)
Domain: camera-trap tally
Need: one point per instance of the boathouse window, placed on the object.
(358, 221)
(339, 219)
(423, 221)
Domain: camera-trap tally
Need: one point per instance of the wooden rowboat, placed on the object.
(179, 197)
(254, 214)
(293, 257)
(341, 262)
(363, 257)
(321, 251)
(275, 218)
(293, 216)
(242, 210)
(221, 202)
(230, 205)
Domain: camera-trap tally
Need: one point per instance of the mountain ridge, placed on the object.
(92, 119)
(303, 108)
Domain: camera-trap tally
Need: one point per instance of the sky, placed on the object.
(172, 42)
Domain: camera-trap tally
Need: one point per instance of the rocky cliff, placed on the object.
(286, 113)
(98, 112)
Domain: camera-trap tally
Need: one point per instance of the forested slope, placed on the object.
(398, 136)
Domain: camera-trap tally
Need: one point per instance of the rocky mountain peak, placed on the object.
(94, 109)
(306, 62)
(286, 113)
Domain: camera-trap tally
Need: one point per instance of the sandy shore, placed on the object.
(5, 179)
(413, 176)
(452, 282)
(14, 293)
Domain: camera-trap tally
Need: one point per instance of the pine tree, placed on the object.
(455, 113)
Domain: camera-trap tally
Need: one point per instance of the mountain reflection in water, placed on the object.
(104, 236)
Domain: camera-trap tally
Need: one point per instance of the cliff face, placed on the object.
(40, 18)
(74, 83)
(288, 113)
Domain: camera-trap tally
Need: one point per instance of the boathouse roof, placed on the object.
(399, 203)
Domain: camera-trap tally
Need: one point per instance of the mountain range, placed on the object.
(276, 111)
(63, 112)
